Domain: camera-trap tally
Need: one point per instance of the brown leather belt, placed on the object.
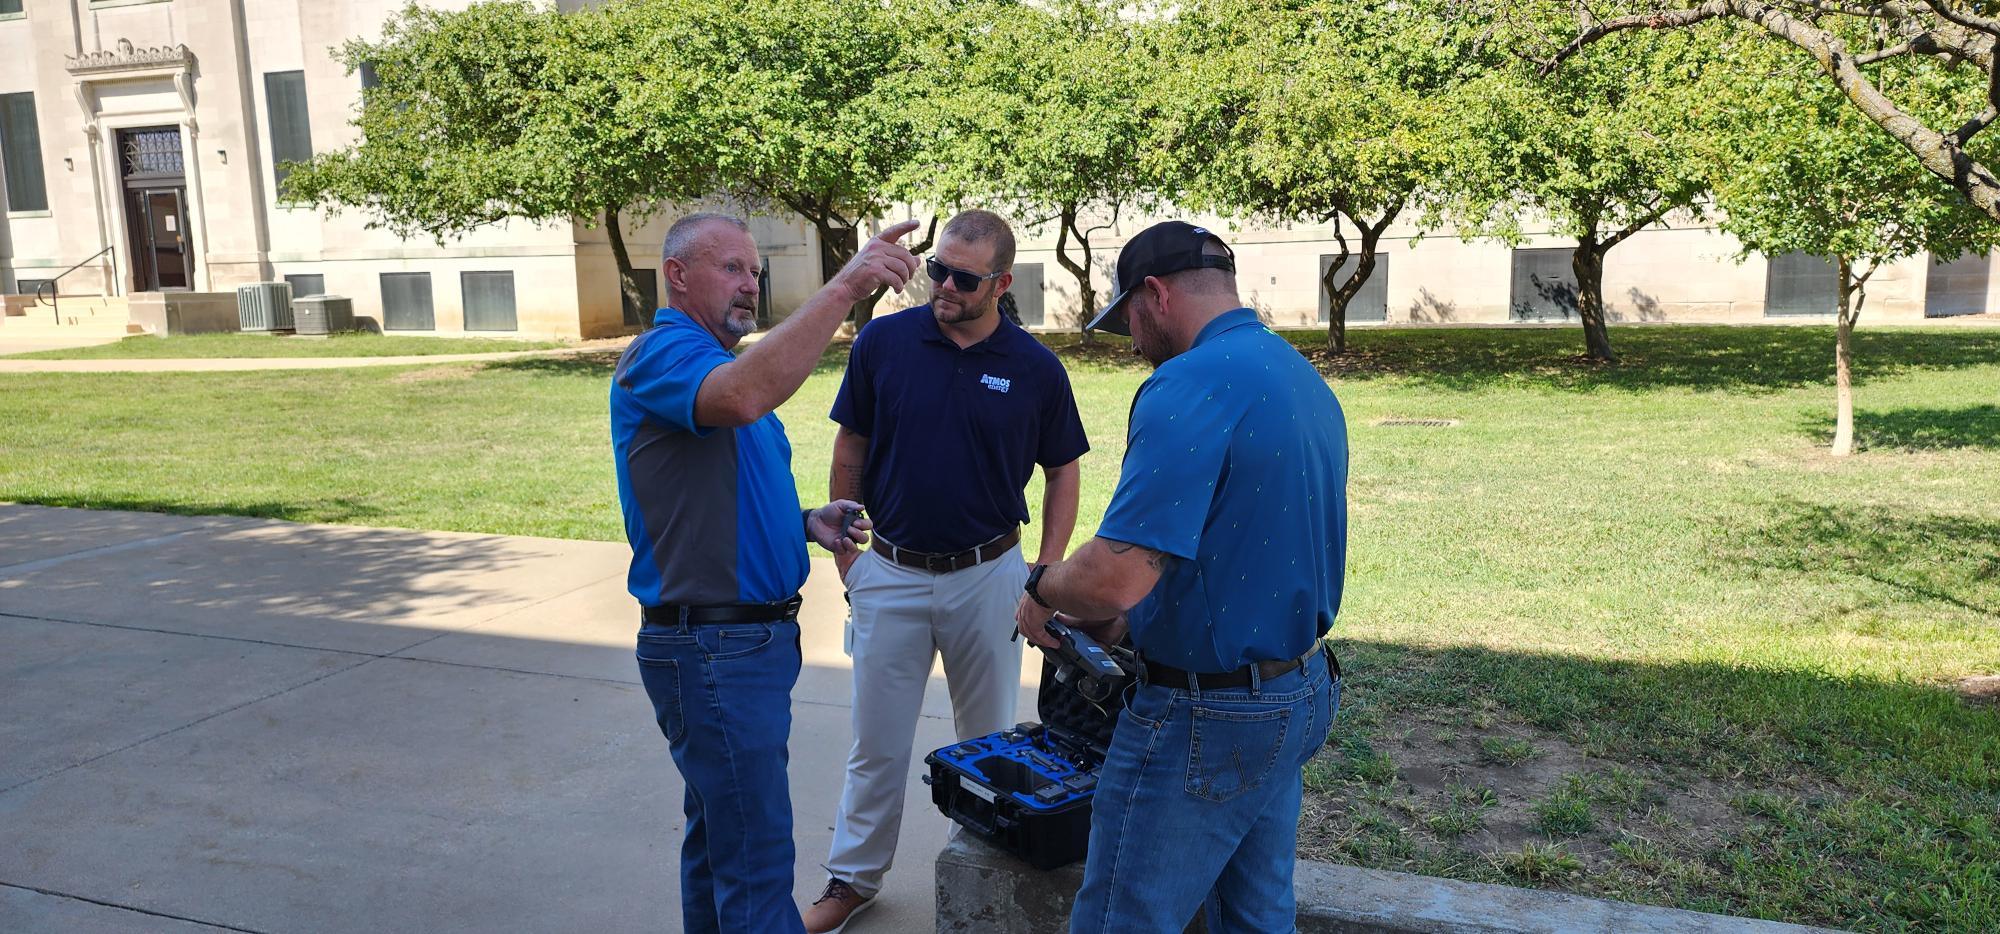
(941, 564)
(1171, 677)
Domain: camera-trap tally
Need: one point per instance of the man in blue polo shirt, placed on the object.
(945, 412)
(1223, 552)
(718, 550)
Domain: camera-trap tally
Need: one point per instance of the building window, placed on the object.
(406, 302)
(489, 301)
(10, 8)
(21, 151)
(1369, 304)
(648, 281)
(1028, 295)
(291, 131)
(304, 284)
(28, 286)
(1544, 287)
(1801, 284)
(368, 77)
(1957, 287)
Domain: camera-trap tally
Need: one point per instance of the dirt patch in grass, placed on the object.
(1482, 797)
(439, 374)
(1979, 689)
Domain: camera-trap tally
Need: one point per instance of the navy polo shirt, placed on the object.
(713, 515)
(953, 435)
(1236, 464)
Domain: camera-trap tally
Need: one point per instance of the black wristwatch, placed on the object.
(1034, 580)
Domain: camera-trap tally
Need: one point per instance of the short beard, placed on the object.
(739, 322)
(966, 312)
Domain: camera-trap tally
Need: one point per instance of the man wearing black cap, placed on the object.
(1223, 552)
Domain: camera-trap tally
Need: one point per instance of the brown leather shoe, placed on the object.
(835, 907)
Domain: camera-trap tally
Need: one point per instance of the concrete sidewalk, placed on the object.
(245, 725)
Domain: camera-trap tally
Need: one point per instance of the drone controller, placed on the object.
(1084, 664)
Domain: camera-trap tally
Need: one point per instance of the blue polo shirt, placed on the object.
(713, 515)
(953, 434)
(1236, 464)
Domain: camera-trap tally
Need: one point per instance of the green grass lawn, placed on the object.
(350, 344)
(1622, 630)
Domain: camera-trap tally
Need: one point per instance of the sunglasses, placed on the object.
(960, 279)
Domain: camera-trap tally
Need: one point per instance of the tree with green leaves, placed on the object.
(807, 104)
(1605, 147)
(1810, 174)
(1328, 112)
(506, 110)
(1036, 110)
(1851, 45)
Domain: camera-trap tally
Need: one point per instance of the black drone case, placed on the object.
(1028, 790)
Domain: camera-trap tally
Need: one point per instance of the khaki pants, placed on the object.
(904, 618)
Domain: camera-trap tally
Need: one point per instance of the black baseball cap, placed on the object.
(1164, 248)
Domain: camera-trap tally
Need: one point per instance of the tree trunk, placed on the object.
(1587, 262)
(1843, 362)
(633, 303)
(1086, 294)
(1338, 297)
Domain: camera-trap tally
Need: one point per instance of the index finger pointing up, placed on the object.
(898, 231)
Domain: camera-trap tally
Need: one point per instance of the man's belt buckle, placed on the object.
(940, 564)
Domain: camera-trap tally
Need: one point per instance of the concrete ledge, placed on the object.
(981, 889)
(171, 313)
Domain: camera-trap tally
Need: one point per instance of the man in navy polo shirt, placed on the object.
(945, 412)
(718, 550)
(1223, 551)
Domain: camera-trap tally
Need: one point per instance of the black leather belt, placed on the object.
(1168, 676)
(940, 564)
(673, 614)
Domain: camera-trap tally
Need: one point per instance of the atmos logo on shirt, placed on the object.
(995, 383)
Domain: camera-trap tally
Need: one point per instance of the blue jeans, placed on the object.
(723, 697)
(1197, 806)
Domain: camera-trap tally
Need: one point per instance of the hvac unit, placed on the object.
(323, 314)
(264, 306)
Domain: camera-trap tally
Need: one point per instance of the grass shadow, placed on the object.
(1781, 794)
(1918, 429)
(1703, 358)
(584, 365)
(1937, 558)
(1717, 359)
(336, 511)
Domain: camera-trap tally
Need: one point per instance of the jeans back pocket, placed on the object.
(662, 678)
(1232, 750)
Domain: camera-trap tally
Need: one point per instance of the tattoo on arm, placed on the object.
(853, 472)
(1157, 559)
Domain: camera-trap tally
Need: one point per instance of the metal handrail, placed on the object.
(50, 285)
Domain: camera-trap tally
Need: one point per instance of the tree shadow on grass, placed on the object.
(601, 365)
(1718, 359)
(1796, 795)
(1701, 358)
(335, 511)
(1952, 560)
(584, 365)
(1918, 429)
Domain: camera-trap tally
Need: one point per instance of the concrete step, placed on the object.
(78, 314)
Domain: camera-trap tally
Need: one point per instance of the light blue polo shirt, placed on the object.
(1236, 464)
(713, 515)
